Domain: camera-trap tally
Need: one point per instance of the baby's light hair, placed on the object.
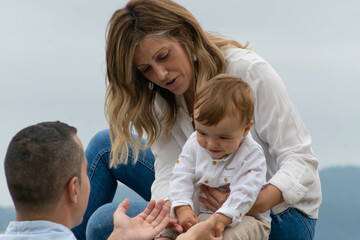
(224, 94)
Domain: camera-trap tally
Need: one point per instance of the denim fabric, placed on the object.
(98, 219)
(101, 225)
(103, 180)
(292, 224)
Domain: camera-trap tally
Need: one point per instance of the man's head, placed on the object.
(43, 162)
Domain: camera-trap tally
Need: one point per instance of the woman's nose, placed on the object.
(161, 72)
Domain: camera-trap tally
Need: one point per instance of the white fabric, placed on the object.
(35, 230)
(291, 163)
(244, 170)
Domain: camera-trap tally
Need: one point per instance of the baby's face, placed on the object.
(222, 139)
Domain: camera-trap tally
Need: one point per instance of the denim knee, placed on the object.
(100, 224)
(292, 224)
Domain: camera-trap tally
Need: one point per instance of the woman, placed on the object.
(157, 55)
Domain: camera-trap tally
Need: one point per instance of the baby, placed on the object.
(221, 154)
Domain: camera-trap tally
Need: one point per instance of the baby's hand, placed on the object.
(187, 217)
(221, 224)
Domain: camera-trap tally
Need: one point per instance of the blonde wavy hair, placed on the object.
(129, 104)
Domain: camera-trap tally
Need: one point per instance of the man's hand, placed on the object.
(202, 231)
(187, 217)
(144, 226)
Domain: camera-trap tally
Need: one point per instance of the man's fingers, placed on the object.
(148, 210)
(123, 206)
(155, 210)
(161, 215)
(161, 221)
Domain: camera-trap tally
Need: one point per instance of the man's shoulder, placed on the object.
(31, 230)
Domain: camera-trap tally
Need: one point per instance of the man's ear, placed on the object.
(248, 127)
(72, 189)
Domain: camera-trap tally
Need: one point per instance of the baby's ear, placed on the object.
(248, 127)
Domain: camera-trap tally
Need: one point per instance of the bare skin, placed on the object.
(144, 226)
(268, 197)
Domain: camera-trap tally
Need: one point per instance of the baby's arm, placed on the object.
(245, 185)
(223, 222)
(187, 217)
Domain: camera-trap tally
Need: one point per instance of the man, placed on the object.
(46, 172)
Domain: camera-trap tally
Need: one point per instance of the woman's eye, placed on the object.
(146, 70)
(164, 56)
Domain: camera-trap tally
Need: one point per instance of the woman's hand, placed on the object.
(268, 197)
(214, 197)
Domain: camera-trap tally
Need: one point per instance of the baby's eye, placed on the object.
(224, 138)
(201, 133)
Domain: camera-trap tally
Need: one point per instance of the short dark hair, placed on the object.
(39, 162)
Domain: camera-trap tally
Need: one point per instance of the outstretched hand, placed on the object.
(202, 231)
(144, 226)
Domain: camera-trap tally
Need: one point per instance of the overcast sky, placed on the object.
(52, 64)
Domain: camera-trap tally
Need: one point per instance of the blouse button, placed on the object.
(226, 179)
(206, 181)
(177, 160)
(249, 171)
(240, 214)
(214, 162)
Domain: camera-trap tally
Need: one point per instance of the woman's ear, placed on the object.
(248, 127)
(72, 189)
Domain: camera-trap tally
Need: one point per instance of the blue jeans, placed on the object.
(98, 219)
(103, 182)
(292, 224)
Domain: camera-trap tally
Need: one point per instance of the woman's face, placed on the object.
(165, 63)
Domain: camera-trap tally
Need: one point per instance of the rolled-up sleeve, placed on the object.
(278, 123)
(292, 166)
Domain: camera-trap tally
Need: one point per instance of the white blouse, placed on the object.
(244, 171)
(291, 164)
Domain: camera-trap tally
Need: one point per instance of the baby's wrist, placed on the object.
(181, 209)
(224, 220)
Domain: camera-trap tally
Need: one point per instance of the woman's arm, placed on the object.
(268, 197)
(292, 165)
